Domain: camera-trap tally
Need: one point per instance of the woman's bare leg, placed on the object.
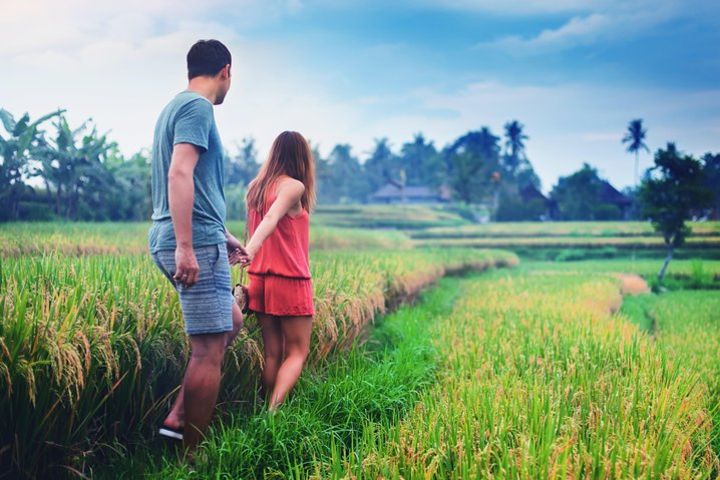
(296, 332)
(272, 350)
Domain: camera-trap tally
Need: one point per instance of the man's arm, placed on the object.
(181, 194)
(233, 244)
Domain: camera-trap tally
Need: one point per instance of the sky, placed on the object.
(574, 72)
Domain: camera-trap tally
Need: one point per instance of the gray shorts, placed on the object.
(207, 305)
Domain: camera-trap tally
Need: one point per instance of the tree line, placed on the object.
(52, 170)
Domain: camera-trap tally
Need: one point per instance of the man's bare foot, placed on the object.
(174, 422)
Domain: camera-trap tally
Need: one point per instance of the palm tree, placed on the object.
(635, 138)
(515, 144)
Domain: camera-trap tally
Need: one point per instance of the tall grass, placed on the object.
(131, 238)
(401, 216)
(559, 229)
(91, 347)
(540, 381)
(686, 327)
(623, 242)
(370, 387)
(680, 274)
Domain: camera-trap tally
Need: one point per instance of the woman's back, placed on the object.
(285, 252)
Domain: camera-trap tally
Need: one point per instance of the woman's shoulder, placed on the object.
(293, 185)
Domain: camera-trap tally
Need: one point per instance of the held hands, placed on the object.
(233, 243)
(237, 254)
(240, 256)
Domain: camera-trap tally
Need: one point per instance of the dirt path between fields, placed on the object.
(632, 284)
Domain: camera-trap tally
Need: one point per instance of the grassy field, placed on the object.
(374, 384)
(572, 241)
(92, 345)
(681, 274)
(394, 227)
(408, 217)
(666, 318)
(521, 373)
(539, 380)
(127, 238)
(686, 327)
(559, 229)
(622, 242)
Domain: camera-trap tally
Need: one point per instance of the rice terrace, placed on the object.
(426, 361)
(360, 240)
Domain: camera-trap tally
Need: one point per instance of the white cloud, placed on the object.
(120, 63)
(526, 7)
(600, 22)
(31, 25)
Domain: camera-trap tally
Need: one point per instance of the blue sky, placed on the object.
(573, 71)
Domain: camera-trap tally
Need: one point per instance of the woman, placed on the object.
(279, 201)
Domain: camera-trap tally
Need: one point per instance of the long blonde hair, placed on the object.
(290, 155)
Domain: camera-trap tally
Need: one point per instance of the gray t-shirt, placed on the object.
(188, 118)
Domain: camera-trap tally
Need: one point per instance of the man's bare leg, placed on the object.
(201, 385)
(176, 417)
(237, 320)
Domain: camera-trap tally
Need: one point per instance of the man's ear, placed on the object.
(226, 70)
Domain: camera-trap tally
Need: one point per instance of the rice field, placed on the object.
(91, 346)
(541, 380)
(686, 327)
(560, 229)
(621, 242)
(572, 241)
(534, 372)
(403, 217)
(692, 274)
(131, 238)
(550, 369)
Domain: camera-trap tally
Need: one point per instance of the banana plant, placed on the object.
(17, 147)
(72, 165)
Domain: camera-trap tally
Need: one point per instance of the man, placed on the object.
(188, 240)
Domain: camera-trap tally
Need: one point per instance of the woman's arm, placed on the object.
(288, 195)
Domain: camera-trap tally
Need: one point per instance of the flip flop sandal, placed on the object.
(171, 433)
(240, 292)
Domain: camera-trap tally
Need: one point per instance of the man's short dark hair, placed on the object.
(207, 57)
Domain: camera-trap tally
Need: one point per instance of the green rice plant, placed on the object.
(575, 254)
(333, 238)
(679, 272)
(18, 239)
(368, 389)
(699, 275)
(400, 216)
(693, 243)
(686, 327)
(539, 380)
(91, 347)
(558, 229)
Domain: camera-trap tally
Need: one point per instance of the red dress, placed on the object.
(279, 274)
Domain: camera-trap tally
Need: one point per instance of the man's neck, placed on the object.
(204, 87)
